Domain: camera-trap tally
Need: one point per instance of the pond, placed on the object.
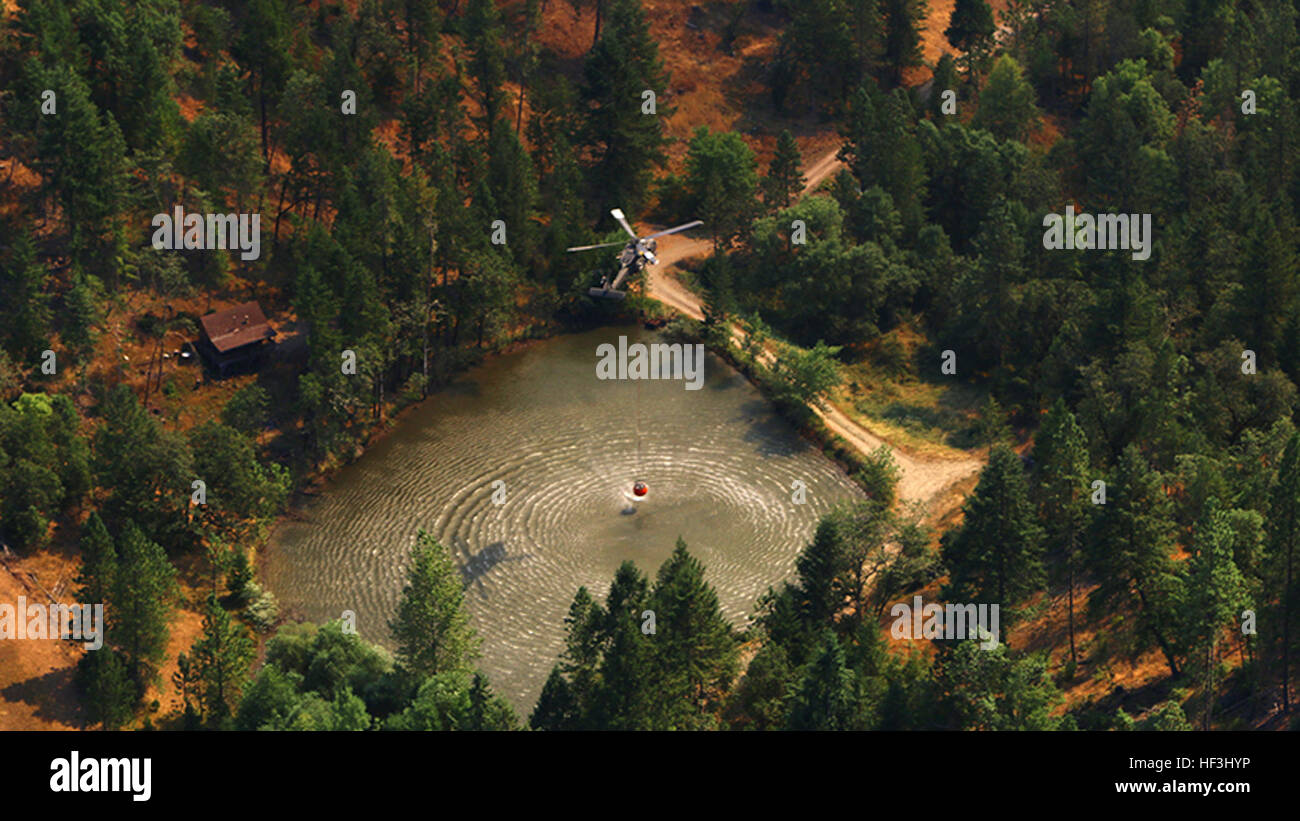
(522, 468)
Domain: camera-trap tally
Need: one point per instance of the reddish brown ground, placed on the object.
(36, 689)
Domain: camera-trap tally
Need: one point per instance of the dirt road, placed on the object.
(921, 479)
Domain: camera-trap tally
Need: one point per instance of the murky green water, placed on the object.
(719, 463)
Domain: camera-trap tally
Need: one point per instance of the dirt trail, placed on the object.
(921, 479)
(829, 164)
(677, 247)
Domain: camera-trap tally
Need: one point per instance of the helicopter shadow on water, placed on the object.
(477, 565)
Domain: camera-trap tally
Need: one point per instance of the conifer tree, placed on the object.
(110, 696)
(903, 19)
(824, 699)
(1061, 459)
(99, 565)
(432, 628)
(484, 33)
(629, 697)
(784, 180)
(945, 79)
(880, 148)
(695, 648)
(996, 556)
(263, 48)
(1283, 550)
(81, 158)
(143, 594)
(583, 641)
(721, 181)
(760, 700)
(867, 30)
(1006, 105)
(220, 658)
(994, 689)
(513, 183)
(1216, 596)
(626, 141)
(971, 20)
(1129, 553)
(487, 710)
(27, 316)
(556, 707)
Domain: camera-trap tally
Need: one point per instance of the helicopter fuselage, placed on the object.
(633, 258)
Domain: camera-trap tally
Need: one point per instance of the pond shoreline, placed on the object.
(721, 463)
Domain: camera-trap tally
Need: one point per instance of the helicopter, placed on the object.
(637, 253)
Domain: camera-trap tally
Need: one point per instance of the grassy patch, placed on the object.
(898, 391)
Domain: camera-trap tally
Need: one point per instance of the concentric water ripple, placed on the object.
(719, 464)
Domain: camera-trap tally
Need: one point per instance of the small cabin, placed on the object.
(234, 337)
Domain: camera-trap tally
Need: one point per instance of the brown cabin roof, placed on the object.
(236, 327)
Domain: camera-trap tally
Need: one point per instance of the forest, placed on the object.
(1139, 503)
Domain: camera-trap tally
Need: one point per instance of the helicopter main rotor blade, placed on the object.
(592, 247)
(617, 213)
(683, 227)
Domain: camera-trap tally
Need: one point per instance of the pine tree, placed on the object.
(513, 183)
(584, 637)
(824, 699)
(996, 556)
(220, 658)
(238, 486)
(784, 180)
(992, 689)
(760, 700)
(1121, 140)
(971, 20)
(147, 469)
(1283, 547)
(991, 426)
(556, 708)
(1129, 553)
(143, 595)
(432, 628)
(1061, 459)
(822, 567)
(626, 142)
(1006, 105)
(945, 79)
(99, 565)
(484, 33)
(881, 149)
(487, 710)
(27, 315)
(838, 569)
(721, 178)
(819, 41)
(867, 28)
(695, 647)
(1216, 597)
(110, 696)
(628, 697)
(81, 158)
(81, 315)
(263, 49)
(903, 19)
